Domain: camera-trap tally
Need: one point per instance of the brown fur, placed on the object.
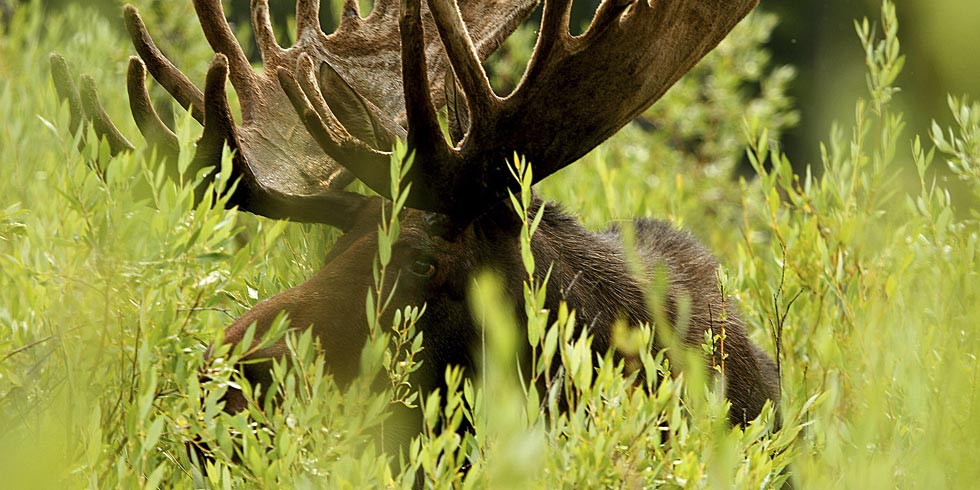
(589, 271)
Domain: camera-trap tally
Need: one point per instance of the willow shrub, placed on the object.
(862, 275)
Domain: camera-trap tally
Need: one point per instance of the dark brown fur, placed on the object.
(589, 271)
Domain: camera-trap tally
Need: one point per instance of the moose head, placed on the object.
(328, 109)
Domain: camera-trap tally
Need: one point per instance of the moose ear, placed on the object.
(351, 109)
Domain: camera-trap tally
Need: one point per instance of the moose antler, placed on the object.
(577, 91)
(284, 173)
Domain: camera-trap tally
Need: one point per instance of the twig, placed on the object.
(776, 327)
(25, 347)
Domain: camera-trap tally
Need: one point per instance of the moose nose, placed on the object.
(256, 368)
(256, 364)
(259, 376)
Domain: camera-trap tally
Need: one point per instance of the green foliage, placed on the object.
(862, 275)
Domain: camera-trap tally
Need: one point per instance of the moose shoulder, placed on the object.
(327, 110)
(588, 270)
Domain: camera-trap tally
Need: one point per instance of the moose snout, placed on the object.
(262, 316)
(258, 373)
(335, 322)
(255, 366)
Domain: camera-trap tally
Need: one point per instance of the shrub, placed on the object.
(861, 274)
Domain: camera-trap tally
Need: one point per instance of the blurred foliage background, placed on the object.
(939, 38)
(114, 281)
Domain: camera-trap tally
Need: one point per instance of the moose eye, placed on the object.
(423, 267)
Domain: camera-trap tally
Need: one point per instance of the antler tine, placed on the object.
(609, 11)
(307, 19)
(424, 133)
(265, 38)
(358, 116)
(307, 81)
(350, 13)
(211, 15)
(100, 120)
(65, 86)
(457, 115)
(153, 129)
(554, 33)
(85, 104)
(218, 124)
(172, 79)
(463, 58)
(367, 164)
(347, 111)
(554, 21)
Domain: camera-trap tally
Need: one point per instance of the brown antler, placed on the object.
(577, 92)
(284, 173)
(363, 64)
(85, 105)
(330, 206)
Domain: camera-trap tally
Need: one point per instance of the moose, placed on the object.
(328, 109)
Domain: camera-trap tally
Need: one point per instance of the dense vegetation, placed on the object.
(861, 274)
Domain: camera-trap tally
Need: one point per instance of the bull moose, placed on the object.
(328, 109)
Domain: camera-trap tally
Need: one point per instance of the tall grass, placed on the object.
(860, 272)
